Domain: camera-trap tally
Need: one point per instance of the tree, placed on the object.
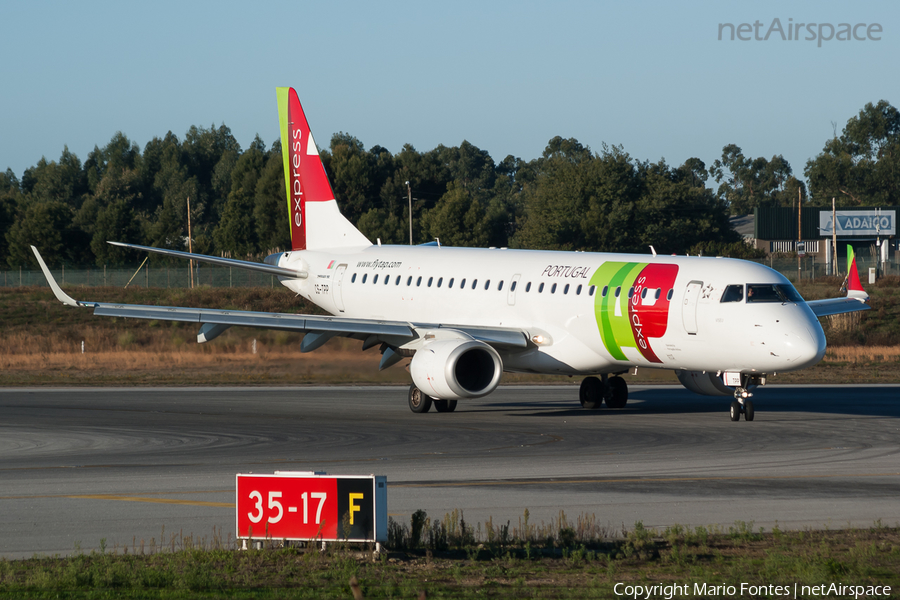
(235, 232)
(746, 183)
(350, 170)
(202, 150)
(116, 221)
(9, 202)
(64, 181)
(459, 219)
(270, 213)
(45, 225)
(576, 200)
(862, 166)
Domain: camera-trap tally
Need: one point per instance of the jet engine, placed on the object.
(704, 382)
(451, 369)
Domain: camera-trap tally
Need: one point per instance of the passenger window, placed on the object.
(487, 284)
(566, 289)
(375, 279)
(733, 293)
(591, 290)
(450, 285)
(643, 293)
(540, 288)
(353, 279)
(398, 280)
(512, 286)
(605, 291)
(499, 286)
(578, 290)
(658, 293)
(419, 281)
(618, 290)
(364, 277)
(440, 281)
(430, 279)
(528, 287)
(409, 281)
(387, 279)
(630, 292)
(474, 283)
(670, 294)
(553, 289)
(462, 284)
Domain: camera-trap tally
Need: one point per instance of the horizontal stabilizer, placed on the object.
(218, 260)
(837, 306)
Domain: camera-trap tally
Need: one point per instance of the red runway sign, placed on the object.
(306, 506)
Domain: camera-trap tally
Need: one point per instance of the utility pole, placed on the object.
(409, 196)
(799, 228)
(834, 236)
(190, 244)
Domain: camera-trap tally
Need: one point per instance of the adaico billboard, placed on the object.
(859, 222)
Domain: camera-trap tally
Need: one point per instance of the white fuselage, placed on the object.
(668, 313)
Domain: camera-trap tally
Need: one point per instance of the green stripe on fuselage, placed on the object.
(615, 330)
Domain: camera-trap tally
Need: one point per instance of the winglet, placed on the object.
(60, 295)
(854, 286)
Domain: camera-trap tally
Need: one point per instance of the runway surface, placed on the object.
(124, 465)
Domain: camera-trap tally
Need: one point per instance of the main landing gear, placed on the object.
(596, 390)
(419, 402)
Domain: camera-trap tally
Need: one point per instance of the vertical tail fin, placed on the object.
(316, 221)
(854, 286)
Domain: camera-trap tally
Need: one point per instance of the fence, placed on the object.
(215, 276)
(147, 276)
(808, 268)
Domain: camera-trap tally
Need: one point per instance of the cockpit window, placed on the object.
(768, 292)
(733, 293)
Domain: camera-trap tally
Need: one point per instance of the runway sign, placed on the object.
(311, 506)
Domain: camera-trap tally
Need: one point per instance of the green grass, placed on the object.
(555, 561)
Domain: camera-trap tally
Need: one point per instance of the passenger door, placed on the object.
(689, 306)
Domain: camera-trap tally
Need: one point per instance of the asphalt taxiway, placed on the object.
(81, 468)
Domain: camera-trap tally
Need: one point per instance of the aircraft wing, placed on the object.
(318, 328)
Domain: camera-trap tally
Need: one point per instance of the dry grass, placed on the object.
(863, 354)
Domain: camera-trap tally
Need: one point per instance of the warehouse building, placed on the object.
(871, 231)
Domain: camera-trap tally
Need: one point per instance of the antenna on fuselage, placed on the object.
(653, 250)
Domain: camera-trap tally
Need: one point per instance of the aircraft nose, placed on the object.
(806, 346)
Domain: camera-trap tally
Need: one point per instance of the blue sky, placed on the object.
(506, 76)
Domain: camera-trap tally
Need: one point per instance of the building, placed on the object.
(871, 231)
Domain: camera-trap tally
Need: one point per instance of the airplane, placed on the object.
(464, 316)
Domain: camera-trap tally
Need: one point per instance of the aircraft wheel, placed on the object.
(591, 393)
(444, 405)
(418, 401)
(748, 410)
(735, 411)
(618, 396)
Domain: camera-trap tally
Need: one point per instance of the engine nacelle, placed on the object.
(451, 369)
(706, 383)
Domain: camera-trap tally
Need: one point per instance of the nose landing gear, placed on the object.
(742, 404)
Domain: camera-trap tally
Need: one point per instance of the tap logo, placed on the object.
(632, 306)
